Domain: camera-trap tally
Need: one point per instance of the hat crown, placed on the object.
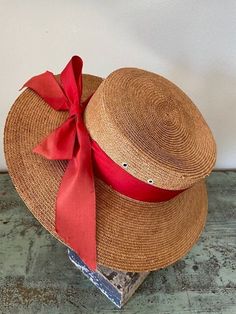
(147, 123)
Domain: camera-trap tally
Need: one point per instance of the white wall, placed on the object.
(191, 42)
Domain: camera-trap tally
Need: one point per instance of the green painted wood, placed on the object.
(36, 275)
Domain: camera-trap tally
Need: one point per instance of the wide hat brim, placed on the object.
(131, 235)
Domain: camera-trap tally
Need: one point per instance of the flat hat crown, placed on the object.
(148, 125)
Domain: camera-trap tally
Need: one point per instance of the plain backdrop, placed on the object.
(191, 42)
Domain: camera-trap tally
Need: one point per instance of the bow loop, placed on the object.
(48, 88)
(60, 143)
(71, 80)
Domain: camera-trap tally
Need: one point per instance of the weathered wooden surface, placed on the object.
(36, 275)
(117, 286)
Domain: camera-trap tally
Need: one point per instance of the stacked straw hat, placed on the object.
(150, 128)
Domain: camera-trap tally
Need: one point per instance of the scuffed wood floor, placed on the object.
(36, 275)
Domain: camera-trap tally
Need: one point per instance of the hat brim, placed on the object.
(131, 235)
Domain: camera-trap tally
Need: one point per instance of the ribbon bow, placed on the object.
(71, 142)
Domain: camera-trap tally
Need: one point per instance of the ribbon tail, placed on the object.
(60, 143)
(76, 207)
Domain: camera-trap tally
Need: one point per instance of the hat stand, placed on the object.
(117, 286)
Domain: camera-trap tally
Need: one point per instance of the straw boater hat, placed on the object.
(118, 175)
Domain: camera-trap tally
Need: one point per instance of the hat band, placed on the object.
(123, 182)
(76, 200)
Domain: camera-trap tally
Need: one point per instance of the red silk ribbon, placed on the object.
(76, 201)
(75, 204)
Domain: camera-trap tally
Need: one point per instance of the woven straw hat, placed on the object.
(144, 123)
